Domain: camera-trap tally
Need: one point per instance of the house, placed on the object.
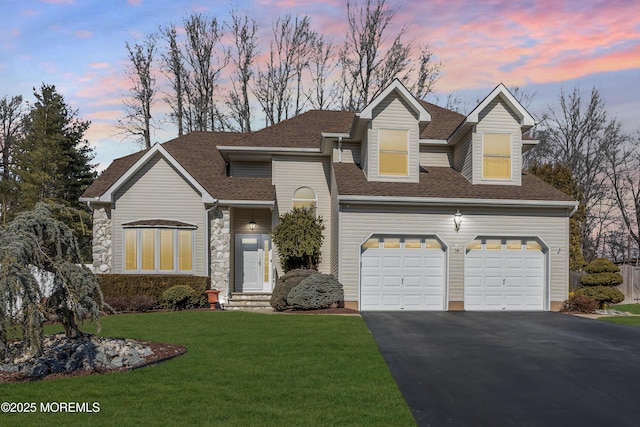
(424, 208)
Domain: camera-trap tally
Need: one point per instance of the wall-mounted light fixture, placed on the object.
(252, 223)
(457, 220)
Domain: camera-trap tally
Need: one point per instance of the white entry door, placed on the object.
(504, 274)
(253, 263)
(402, 273)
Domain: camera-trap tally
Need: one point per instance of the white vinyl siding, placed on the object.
(497, 118)
(463, 157)
(289, 174)
(436, 156)
(350, 153)
(251, 169)
(357, 223)
(157, 191)
(394, 114)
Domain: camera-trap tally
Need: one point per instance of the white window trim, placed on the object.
(386, 175)
(156, 251)
(510, 156)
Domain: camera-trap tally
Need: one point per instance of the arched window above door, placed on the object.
(305, 198)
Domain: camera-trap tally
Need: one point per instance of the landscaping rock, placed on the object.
(87, 352)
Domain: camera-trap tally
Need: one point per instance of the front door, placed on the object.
(253, 263)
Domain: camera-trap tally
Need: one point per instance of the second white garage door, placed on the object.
(402, 273)
(504, 274)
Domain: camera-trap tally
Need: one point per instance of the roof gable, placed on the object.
(107, 195)
(526, 120)
(400, 89)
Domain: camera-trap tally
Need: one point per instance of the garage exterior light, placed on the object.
(457, 220)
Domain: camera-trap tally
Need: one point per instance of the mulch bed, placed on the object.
(161, 352)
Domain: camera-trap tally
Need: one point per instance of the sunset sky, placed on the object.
(541, 46)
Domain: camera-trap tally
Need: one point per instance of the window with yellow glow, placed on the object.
(432, 244)
(185, 249)
(147, 249)
(496, 155)
(514, 245)
(412, 243)
(166, 249)
(393, 152)
(131, 249)
(304, 198)
(372, 243)
(158, 250)
(391, 243)
(265, 252)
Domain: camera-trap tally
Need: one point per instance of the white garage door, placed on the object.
(402, 273)
(504, 274)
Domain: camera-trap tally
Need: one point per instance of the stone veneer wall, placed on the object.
(220, 245)
(102, 241)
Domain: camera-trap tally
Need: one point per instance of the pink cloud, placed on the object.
(134, 2)
(83, 34)
(58, 1)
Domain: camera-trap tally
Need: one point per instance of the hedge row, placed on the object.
(129, 285)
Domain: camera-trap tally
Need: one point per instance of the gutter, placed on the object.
(248, 203)
(421, 201)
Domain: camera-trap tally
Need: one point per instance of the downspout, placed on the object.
(339, 149)
(575, 208)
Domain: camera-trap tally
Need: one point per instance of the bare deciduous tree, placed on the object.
(11, 115)
(244, 30)
(367, 68)
(278, 88)
(173, 68)
(623, 172)
(321, 93)
(579, 135)
(137, 117)
(205, 57)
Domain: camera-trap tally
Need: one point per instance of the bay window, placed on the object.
(159, 250)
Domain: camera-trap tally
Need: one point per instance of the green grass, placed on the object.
(244, 369)
(631, 308)
(631, 320)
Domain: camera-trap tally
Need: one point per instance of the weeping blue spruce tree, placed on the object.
(33, 243)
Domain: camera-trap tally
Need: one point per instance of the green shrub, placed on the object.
(602, 294)
(601, 279)
(153, 285)
(180, 297)
(134, 303)
(298, 236)
(285, 284)
(316, 292)
(580, 303)
(601, 265)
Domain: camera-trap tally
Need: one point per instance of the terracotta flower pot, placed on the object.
(212, 297)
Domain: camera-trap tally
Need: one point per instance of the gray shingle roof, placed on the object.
(443, 183)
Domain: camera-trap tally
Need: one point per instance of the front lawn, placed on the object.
(631, 308)
(623, 320)
(240, 369)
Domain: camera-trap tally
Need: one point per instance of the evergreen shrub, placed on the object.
(316, 292)
(285, 284)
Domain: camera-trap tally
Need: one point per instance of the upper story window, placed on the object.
(305, 198)
(159, 250)
(496, 156)
(393, 152)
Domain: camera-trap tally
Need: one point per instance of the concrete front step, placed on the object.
(246, 301)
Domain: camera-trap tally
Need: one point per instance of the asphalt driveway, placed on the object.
(494, 369)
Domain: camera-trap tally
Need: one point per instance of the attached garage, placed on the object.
(403, 273)
(505, 274)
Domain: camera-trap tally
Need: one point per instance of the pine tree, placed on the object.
(53, 162)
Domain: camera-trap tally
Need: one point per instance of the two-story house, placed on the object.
(424, 208)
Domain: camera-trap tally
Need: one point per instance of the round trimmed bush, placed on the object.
(316, 292)
(601, 279)
(180, 297)
(285, 284)
(601, 265)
